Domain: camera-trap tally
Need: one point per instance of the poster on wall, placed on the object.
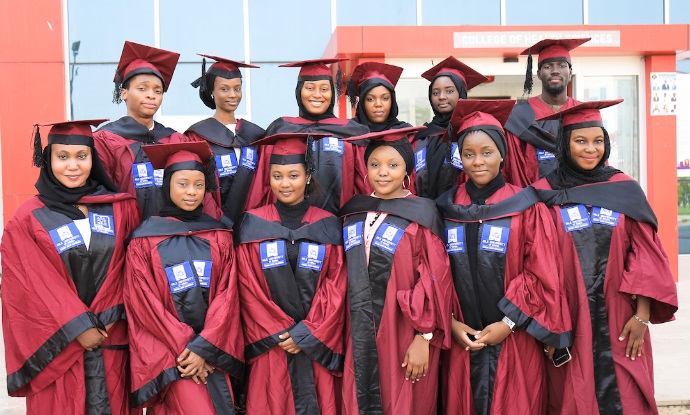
(664, 93)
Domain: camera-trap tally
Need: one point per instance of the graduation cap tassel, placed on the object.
(527, 87)
(117, 92)
(339, 82)
(211, 182)
(309, 156)
(38, 150)
(202, 81)
(351, 93)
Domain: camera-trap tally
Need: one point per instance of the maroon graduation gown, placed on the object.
(405, 288)
(309, 303)
(234, 176)
(181, 292)
(531, 144)
(600, 277)
(119, 147)
(50, 297)
(335, 161)
(517, 276)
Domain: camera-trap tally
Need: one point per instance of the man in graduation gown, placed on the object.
(616, 275)
(230, 139)
(436, 165)
(56, 287)
(143, 75)
(531, 143)
(181, 300)
(293, 284)
(334, 159)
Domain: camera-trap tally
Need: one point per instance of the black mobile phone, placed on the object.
(561, 357)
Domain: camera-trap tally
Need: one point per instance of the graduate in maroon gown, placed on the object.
(502, 248)
(371, 91)
(532, 143)
(63, 254)
(316, 94)
(436, 168)
(181, 294)
(616, 273)
(292, 290)
(399, 288)
(143, 75)
(220, 88)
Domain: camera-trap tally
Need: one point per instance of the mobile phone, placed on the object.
(561, 357)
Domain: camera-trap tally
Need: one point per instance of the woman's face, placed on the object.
(289, 182)
(316, 96)
(444, 95)
(587, 147)
(480, 158)
(143, 96)
(386, 170)
(187, 189)
(71, 164)
(227, 93)
(377, 104)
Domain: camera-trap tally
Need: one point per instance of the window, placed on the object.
(535, 12)
(273, 93)
(376, 13)
(92, 92)
(679, 11)
(626, 11)
(466, 12)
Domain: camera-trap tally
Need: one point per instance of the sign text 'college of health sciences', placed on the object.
(470, 40)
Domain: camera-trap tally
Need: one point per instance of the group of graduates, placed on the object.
(488, 262)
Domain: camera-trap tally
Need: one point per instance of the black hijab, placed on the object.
(392, 121)
(303, 110)
(402, 146)
(169, 207)
(568, 174)
(59, 198)
(439, 119)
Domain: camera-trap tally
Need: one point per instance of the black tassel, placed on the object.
(202, 81)
(197, 82)
(309, 156)
(351, 92)
(527, 87)
(211, 181)
(339, 82)
(117, 92)
(38, 149)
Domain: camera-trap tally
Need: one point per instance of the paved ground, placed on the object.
(670, 347)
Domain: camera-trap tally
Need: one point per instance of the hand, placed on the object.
(107, 328)
(91, 338)
(636, 330)
(288, 344)
(416, 359)
(191, 364)
(461, 334)
(493, 334)
(549, 350)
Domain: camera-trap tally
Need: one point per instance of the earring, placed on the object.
(212, 96)
(409, 181)
(366, 177)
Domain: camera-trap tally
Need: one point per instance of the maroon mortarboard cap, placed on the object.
(141, 59)
(387, 136)
(226, 68)
(290, 148)
(474, 113)
(450, 65)
(554, 49)
(585, 114)
(77, 132)
(179, 156)
(366, 71)
(314, 69)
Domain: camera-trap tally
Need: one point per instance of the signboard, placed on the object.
(527, 38)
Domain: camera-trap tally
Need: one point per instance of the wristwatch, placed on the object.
(509, 322)
(426, 336)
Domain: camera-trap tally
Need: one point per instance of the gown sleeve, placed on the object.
(535, 298)
(320, 335)
(648, 273)
(42, 314)
(427, 305)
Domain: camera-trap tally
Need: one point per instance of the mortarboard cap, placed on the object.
(314, 69)
(469, 113)
(77, 132)
(179, 156)
(396, 138)
(141, 59)
(585, 114)
(225, 68)
(387, 136)
(291, 148)
(372, 73)
(449, 66)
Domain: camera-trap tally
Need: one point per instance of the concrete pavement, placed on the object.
(669, 344)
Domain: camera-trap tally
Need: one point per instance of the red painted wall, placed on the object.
(32, 88)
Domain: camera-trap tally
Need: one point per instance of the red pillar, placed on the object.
(32, 81)
(662, 181)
